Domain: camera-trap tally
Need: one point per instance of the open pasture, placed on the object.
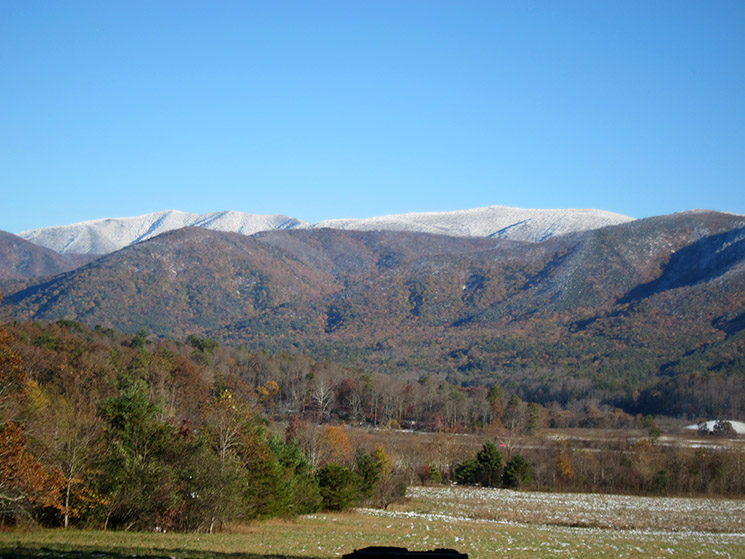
(484, 523)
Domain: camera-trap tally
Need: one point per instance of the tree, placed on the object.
(323, 389)
(209, 491)
(225, 420)
(338, 486)
(486, 469)
(13, 375)
(265, 494)
(428, 473)
(467, 472)
(297, 477)
(491, 464)
(564, 469)
(141, 487)
(267, 393)
(391, 487)
(70, 445)
(335, 444)
(368, 474)
(24, 481)
(534, 416)
(516, 472)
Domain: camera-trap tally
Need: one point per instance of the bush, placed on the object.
(723, 428)
(661, 482)
(428, 473)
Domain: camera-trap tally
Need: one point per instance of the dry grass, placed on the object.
(618, 512)
(484, 523)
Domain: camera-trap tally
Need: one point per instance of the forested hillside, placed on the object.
(646, 316)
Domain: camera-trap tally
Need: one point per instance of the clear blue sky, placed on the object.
(328, 109)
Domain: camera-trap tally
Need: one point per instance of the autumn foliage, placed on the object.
(24, 481)
(109, 430)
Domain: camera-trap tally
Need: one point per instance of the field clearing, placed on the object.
(484, 523)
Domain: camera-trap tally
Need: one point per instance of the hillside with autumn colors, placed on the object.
(646, 315)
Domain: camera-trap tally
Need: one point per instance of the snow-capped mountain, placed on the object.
(104, 236)
(492, 221)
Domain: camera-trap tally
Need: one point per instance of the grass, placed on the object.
(481, 522)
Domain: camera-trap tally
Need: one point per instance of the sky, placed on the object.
(349, 109)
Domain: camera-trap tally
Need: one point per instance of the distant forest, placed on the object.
(99, 428)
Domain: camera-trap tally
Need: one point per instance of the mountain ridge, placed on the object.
(23, 260)
(103, 236)
(650, 306)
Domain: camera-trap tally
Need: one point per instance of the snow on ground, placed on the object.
(617, 512)
(738, 426)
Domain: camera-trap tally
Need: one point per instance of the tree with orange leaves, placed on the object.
(337, 447)
(24, 482)
(13, 376)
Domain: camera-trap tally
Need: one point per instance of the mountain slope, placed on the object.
(23, 260)
(368, 290)
(651, 310)
(182, 281)
(104, 236)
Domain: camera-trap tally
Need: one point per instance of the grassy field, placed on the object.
(484, 523)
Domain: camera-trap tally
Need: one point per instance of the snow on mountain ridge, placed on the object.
(102, 236)
(491, 221)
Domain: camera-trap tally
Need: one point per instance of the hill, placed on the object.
(22, 262)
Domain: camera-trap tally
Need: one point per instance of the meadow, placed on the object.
(482, 522)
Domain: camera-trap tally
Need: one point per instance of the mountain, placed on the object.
(493, 221)
(104, 236)
(22, 260)
(650, 308)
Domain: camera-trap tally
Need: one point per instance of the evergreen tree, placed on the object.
(516, 472)
(467, 473)
(490, 465)
(338, 486)
(140, 486)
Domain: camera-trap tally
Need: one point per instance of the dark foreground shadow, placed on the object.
(379, 552)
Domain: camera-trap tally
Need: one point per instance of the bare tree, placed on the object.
(323, 390)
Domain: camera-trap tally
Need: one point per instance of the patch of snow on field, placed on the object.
(617, 512)
(738, 426)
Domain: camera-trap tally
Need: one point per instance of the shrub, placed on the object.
(428, 473)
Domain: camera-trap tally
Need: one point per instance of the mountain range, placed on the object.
(647, 309)
(103, 236)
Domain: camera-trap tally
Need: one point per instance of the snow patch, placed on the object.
(738, 426)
